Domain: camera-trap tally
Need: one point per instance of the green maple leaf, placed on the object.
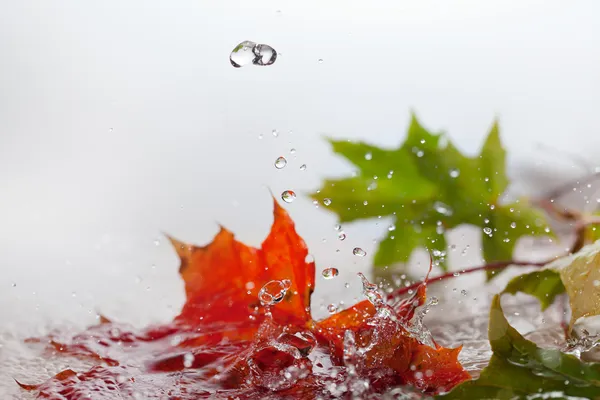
(427, 185)
(519, 369)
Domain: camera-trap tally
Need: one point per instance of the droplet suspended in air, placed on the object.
(272, 292)
(330, 273)
(326, 201)
(368, 156)
(487, 230)
(332, 308)
(359, 252)
(454, 173)
(342, 235)
(292, 151)
(392, 228)
(442, 208)
(249, 52)
(302, 167)
(280, 162)
(275, 132)
(288, 196)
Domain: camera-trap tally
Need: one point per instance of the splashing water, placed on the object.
(248, 52)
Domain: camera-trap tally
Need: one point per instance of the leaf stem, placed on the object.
(448, 275)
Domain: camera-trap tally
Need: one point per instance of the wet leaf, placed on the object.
(580, 274)
(427, 185)
(519, 369)
(226, 343)
(545, 285)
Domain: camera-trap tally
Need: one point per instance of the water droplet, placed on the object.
(302, 167)
(286, 283)
(463, 292)
(513, 225)
(188, 360)
(249, 52)
(275, 132)
(292, 151)
(288, 196)
(14, 284)
(337, 227)
(320, 61)
(392, 227)
(332, 308)
(342, 235)
(442, 208)
(156, 242)
(326, 201)
(368, 156)
(454, 173)
(330, 273)
(487, 230)
(272, 293)
(370, 291)
(280, 162)
(347, 285)
(359, 252)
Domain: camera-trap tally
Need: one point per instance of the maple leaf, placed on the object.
(428, 186)
(226, 343)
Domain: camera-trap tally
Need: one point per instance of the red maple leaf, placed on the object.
(226, 343)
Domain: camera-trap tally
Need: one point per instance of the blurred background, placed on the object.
(120, 120)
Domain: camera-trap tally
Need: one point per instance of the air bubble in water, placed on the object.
(442, 208)
(332, 308)
(454, 173)
(288, 196)
(249, 52)
(359, 252)
(280, 162)
(272, 292)
(330, 273)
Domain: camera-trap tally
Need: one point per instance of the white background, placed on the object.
(122, 119)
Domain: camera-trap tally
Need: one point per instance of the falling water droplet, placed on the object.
(280, 162)
(337, 227)
(513, 225)
(342, 235)
(370, 291)
(326, 201)
(292, 151)
(332, 308)
(242, 54)
(487, 230)
(330, 273)
(454, 173)
(249, 52)
(272, 293)
(392, 227)
(368, 156)
(359, 252)
(302, 167)
(442, 208)
(288, 196)
(275, 132)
